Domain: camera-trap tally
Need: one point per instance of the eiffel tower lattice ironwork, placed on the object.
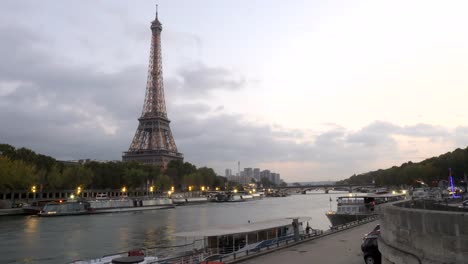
(153, 142)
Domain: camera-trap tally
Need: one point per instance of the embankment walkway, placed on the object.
(338, 248)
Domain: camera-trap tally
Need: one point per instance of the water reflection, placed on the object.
(31, 224)
(63, 239)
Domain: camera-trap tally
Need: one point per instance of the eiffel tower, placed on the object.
(153, 142)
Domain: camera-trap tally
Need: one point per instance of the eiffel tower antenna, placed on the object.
(153, 142)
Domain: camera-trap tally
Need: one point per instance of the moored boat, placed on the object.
(217, 243)
(64, 208)
(357, 207)
(100, 206)
(250, 236)
(222, 197)
(180, 199)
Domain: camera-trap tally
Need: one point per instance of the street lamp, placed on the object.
(203, 188)
(78, 190)
(172, 189)
(33, 190)
(190, 188)
(124, 189)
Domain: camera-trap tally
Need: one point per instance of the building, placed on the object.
(256, 174)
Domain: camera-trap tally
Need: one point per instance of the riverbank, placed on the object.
(343, 247)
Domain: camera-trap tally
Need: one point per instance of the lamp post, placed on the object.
(33, 190)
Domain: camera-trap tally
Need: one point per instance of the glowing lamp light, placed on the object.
(169, 193)
(404, 191)
(78, 190)
(72, 196)
(235, 190)
(124, 189)
(190, 188)
(393, 192)
(203, 188)
(151, 188)
(172, 188)
(33, 189)
(217, 189)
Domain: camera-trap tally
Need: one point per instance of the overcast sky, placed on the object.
(314, 90)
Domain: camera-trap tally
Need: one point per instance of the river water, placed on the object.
(33, 239)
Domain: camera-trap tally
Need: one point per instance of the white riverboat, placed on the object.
(357, 207)
(217, 243)
(99, 206)
(181, 199)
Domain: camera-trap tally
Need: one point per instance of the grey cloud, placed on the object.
(374, 134)
(74, 111)
(461, 136)
(424, 130)
(199, 79)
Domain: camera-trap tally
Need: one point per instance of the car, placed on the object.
(465, 203)
(375, 231)
(370, 247)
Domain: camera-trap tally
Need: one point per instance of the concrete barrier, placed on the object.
(413, 235)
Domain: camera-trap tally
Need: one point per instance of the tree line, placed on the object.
(429, 171)
(22, 168)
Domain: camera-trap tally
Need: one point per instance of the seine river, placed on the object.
(33, 239)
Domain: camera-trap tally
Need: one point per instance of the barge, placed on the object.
(101, 206)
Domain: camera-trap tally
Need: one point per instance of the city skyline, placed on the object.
(315, 91)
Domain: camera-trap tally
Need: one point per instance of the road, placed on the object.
(339, 248)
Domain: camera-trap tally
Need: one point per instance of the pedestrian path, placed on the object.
(338, 248)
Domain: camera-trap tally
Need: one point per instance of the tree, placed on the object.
(135, 177)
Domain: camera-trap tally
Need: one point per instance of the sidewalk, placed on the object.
(339, 248)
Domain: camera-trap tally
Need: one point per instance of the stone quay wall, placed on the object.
(412, 234)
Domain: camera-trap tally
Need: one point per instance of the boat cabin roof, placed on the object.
(372, 195)
(244, 228)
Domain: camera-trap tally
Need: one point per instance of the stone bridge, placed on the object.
(326, 187)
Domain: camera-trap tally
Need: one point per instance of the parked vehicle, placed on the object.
(375, 231)
(370, 247)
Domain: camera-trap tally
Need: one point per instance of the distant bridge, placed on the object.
(326, 187)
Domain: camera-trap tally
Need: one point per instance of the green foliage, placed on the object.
(16, 173)
(22, 168)
(429, 171)
(135, 177)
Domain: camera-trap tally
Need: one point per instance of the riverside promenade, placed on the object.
(339, 248)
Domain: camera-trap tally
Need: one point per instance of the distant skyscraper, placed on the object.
(228, 173)
(256, 174)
